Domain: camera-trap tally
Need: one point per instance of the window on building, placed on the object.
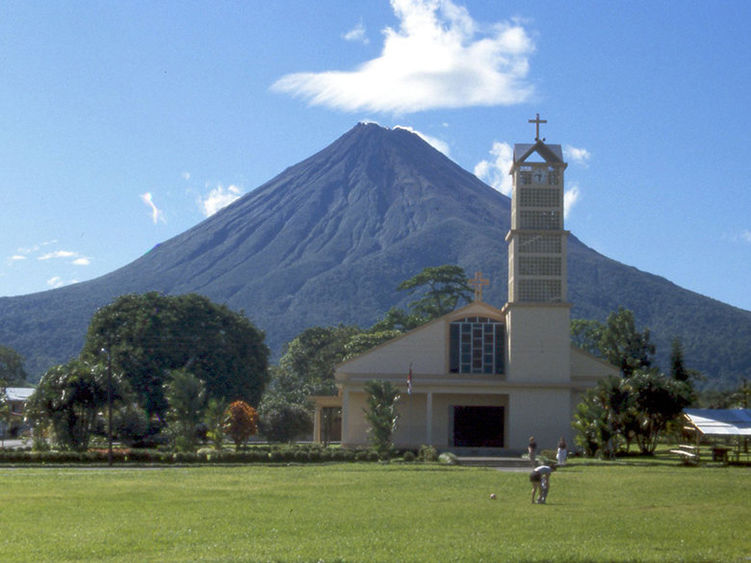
(476, 346)
(540, 265)
(540, 244)
(540, 220)
(540, 197)
(540, 291)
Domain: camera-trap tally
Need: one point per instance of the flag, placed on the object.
(409, 380)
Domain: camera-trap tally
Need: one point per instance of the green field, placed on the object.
(373, 512)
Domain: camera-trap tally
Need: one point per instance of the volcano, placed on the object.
(327, 241)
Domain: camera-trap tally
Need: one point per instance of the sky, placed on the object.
(123, 124)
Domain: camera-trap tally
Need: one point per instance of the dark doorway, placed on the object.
(331, 425)
(478, 427)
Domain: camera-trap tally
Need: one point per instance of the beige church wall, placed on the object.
(411, 430)
(355, 428)
(587, 366)
(411, 426)
(542, 413)
(539, 345)
(424, 348)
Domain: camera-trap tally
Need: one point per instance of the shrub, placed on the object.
(447, 458)
(409, 456)
(241, 422)
(428, 453)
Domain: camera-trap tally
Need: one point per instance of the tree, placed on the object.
(150, 335)
(586, 334)
(69, 397)
(678, 369)
(442, 287)
(283, 421)
(658, 400)
(381, 414)
(307, 366)
(241, 422)
(619, 410)
(214, 419)
(602, 419)
(12, 372)
(130, 424)
(624, 346)
(186, 396)
(616, 341)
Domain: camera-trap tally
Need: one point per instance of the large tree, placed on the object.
(440, 289)
(617, 341)
(147, 336)
(11, 367)
(69, 397)
(307, 366)
(620, 410)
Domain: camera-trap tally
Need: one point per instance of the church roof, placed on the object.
(551, 153)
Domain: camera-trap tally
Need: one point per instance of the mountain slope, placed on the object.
(328, 240)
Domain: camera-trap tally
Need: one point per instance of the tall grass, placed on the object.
(354, 512)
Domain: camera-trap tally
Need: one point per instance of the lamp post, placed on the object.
(109, 406)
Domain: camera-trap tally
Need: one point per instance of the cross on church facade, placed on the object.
(537, 122)
(478, 282)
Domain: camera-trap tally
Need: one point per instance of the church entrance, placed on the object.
(478, 427)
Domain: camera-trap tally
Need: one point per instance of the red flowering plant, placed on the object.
(241, 422)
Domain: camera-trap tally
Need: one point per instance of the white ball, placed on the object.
(492, 496)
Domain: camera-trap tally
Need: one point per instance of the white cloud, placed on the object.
(576, 155)
(17, 257)
(218, 198)
(437, 58)
(55, 282)
(82, 261)
(434, 142)
(57, 254)
(570, 198)
(495, 172)
(357, 34)
(156, 213)
(745, 236)
(185, 176)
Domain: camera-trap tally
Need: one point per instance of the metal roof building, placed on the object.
(720, 422)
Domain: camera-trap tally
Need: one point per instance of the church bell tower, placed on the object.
(537, 310)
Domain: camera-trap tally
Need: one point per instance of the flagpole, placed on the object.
(409, 407)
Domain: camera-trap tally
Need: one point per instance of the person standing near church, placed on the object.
(532, 451)
(562, 452)
(540, 479)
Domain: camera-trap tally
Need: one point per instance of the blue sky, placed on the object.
(124, 124)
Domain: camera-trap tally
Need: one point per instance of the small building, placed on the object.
(482, 376)
(16, 398)
(728, 430)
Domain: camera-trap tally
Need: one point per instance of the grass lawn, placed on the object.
(372, 512)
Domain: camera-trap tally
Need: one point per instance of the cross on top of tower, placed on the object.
(478, 282)
(537, 122)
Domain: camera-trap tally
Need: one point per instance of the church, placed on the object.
(480, 376)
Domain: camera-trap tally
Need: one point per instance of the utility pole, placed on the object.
(109, 406)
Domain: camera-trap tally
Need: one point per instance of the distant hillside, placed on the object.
(329, 239)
